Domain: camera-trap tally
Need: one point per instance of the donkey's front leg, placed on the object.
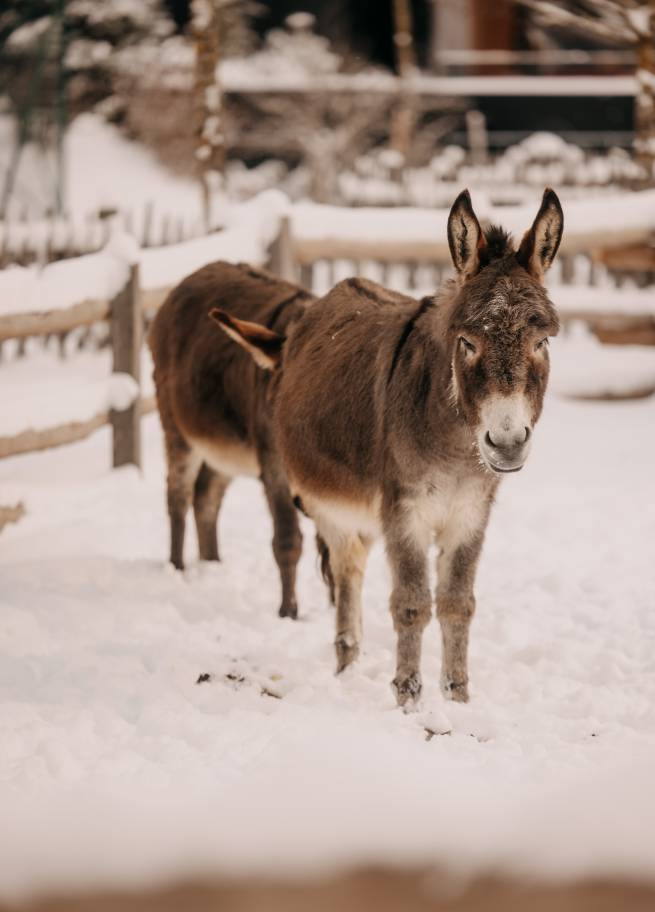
(456, 566)
(411, 605)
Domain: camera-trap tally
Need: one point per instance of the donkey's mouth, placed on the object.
(501, 471)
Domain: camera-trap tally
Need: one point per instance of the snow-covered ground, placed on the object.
(117, 768)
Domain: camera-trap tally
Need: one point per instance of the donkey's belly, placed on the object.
(227, 457)
(348, 516)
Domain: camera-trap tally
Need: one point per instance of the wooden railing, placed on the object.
(125, 315)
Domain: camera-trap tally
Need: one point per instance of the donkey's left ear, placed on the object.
(262, 344)
(540, 243)
(465, 237)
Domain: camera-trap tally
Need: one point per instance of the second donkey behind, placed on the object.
(214, 410)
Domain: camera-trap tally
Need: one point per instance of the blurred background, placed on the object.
(380, 103)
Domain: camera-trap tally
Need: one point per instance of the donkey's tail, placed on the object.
(326, 569)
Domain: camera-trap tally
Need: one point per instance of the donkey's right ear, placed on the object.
(465, 237)
(263, 345)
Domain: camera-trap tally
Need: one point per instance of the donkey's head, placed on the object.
(498, 328)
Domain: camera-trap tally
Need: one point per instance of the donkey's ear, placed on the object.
(540, 243)
(264, 346)
(465, 237)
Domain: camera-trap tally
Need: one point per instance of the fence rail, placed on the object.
(125, 314)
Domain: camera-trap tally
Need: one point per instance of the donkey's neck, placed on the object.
(422, 421)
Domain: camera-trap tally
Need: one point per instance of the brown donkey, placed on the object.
(214, 408)
(399, 417)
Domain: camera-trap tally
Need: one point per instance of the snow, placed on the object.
(640, 20)
(42, 391)
(251, 228)
(104, 171)
(622, 211)
(27, 35)
(581, 298)
(117, 769)
(582, 366)
(93, 277)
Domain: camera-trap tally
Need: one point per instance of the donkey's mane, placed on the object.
(498, 243)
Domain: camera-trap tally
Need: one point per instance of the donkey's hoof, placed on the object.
(407, 689)
(289, 610)
(210, 558)
(458, 691)
(347, 650)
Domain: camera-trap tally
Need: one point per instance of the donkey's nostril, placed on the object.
(489, 441)
(528, 433)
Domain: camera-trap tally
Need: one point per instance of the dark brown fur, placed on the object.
(213, 401)
(395, 415)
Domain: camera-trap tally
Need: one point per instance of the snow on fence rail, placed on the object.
(395, 234)
(23, 242)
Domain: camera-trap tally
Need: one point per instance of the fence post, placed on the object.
(282, 261)
(126, 330)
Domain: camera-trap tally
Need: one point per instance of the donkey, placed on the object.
(214, 410)
(399, 417)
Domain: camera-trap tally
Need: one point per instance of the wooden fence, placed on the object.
(298, 259)
(23, 242)
(125, 315)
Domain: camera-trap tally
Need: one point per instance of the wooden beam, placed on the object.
(22, 325)
(282, 261)
(634, 258)
(31, 441)
(126, 333)
(153, 298)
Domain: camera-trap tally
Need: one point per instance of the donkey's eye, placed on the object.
(468, 347)
(542, 343)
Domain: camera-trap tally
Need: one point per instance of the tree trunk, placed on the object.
(209, 131)
(645, 100)
(404, 116)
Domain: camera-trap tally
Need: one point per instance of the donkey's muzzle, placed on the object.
(506, 451)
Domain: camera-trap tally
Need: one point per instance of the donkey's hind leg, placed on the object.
(183, 465)
(347, 554)
(287, 537)
(210, 487)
